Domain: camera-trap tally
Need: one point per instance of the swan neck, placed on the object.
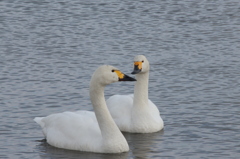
(141, 90)
(107, 125)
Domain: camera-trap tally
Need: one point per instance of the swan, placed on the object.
(86, 130)
(136, 113)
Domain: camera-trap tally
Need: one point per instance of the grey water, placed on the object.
(49, 50)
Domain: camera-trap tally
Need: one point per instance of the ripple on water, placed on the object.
(49, 51)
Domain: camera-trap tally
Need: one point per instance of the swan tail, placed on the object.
(39, 121)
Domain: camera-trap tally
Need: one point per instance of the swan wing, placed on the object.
(154, 111)
(120, 108)
(71, 130)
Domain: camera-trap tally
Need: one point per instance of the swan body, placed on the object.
(136, 113)
(86, 130)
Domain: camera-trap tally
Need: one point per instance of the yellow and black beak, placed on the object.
(137, 67)
(123, 77)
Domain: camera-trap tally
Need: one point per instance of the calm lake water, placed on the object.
(49, 50)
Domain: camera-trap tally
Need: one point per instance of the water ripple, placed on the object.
(48, 51)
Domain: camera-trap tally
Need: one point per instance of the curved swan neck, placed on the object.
(107, 125)
(141, 90)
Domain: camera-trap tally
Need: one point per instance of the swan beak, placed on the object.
(123, 77)
(127, 78)
(137, 67)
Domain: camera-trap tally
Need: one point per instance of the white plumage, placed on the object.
(136, 113)
(86, 130)
(72, 130)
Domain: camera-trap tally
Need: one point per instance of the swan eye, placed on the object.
(142, 61)
(112, 70)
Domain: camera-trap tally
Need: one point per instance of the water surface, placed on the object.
(49, 50)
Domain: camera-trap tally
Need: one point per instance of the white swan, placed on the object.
(84, 131)
(136, 113)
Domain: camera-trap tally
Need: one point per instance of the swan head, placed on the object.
(107, 74)
(141, 65)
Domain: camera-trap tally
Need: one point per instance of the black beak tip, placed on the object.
(127, 78)
(135, 71)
